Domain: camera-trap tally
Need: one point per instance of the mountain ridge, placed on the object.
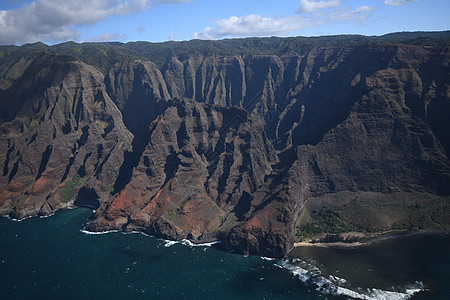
(208, 146)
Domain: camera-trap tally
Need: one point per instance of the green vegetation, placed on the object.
(68, 192)
(34, 124)
(330, 215)
(104, 55)
(329, 221)
(101, 55)
(66, 58)
(101, 125)
(171, 214)
(36, 121)
(160, 53)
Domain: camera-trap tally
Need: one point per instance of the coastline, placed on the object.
(369, 239)
(364, 239)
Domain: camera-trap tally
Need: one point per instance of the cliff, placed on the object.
(196, 175)
(213, 146)
(57, 121)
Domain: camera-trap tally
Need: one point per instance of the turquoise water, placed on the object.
(51, 258)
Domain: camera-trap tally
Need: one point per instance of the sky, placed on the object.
(57, 21)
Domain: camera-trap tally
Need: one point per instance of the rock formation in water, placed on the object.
(229, 147)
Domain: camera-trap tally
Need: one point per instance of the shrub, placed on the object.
(171, 215)
(328, 221)
(68, 191)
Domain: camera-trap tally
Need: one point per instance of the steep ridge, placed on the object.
(192, 145)
(57, 121)
(302, 96)
(393, 147)
(380, 144)
(195, 176)
(139, 91)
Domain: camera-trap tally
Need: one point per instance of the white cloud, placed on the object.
(255, 25)
(53, 20)
(108, 37)
(365, 8)
(307, 6)
(140, 30)
(345, 14)
(397, 2)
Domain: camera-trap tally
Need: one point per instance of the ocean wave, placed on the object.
(97, 232)
(18, 220)
(138, 232)
(43, 217)
(268, 258)
(169, 243)
(332, 285)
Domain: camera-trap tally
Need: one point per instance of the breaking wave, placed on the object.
(188, 243)
(17, 220)
(97, 232)
(268, 258)
(333, 285)
(46, 216)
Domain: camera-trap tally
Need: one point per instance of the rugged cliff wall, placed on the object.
(223, 147)
(195, 176)
(57, 121)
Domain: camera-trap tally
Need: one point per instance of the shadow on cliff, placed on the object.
(139, 110)
(87, 198)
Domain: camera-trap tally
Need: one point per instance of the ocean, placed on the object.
(52, 258)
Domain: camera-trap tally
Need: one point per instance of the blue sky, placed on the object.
(56, 21)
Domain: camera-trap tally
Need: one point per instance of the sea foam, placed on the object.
(312, 276)
(43, 217)
(97, 233)
(138, 232)
(268, 258)
(169, 243)
(18, 220)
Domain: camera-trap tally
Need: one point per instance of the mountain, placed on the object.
(256, 142)
(57, 121)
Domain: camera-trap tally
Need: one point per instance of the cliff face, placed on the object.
(58, 121)
(374, 132)
(196, 175)
(223, 147)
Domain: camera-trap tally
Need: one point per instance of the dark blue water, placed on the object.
(51, 258)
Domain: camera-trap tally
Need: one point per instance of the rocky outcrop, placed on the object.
(58, 121)
(223, 147)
